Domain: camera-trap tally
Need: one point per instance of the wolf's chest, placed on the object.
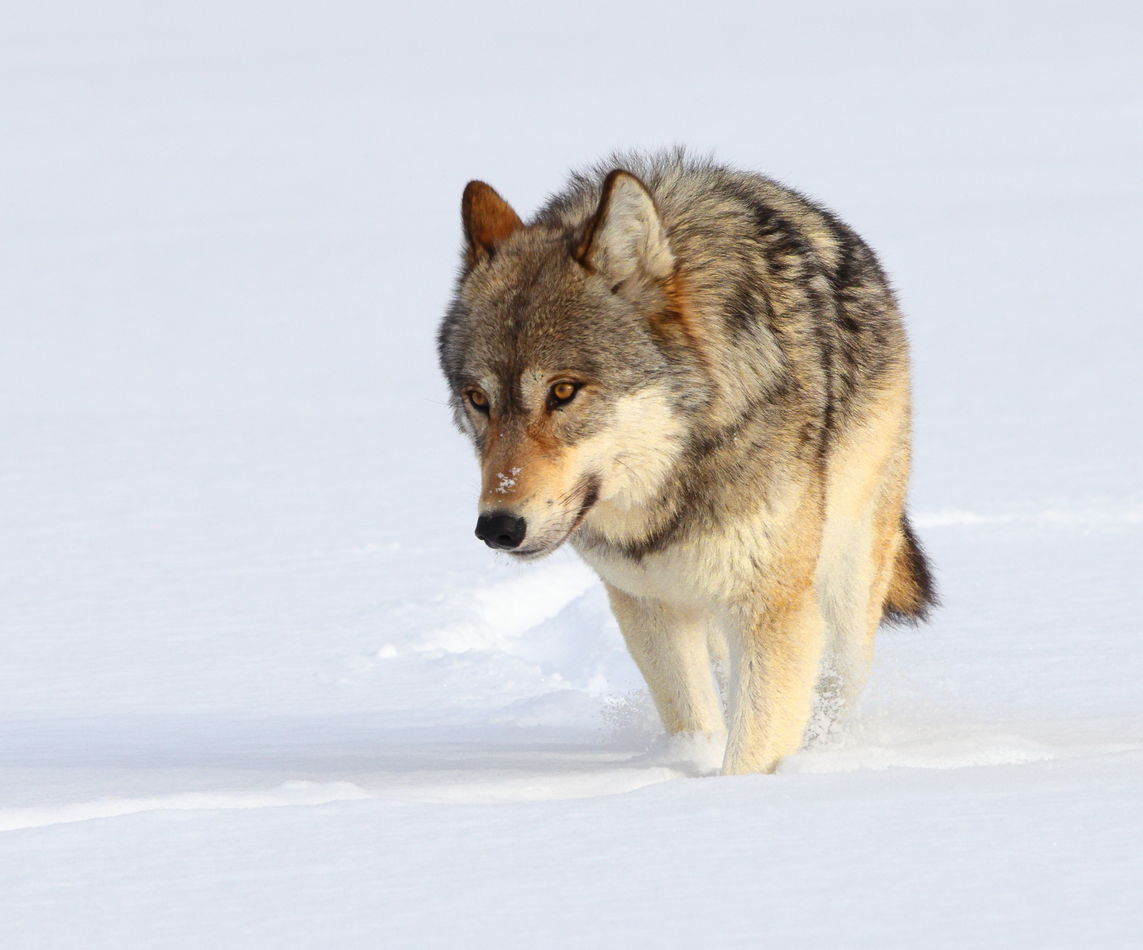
(692, 574)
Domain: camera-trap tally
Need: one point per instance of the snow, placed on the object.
(260, 686)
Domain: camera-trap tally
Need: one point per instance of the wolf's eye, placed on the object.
(478, 399)
(563, 392)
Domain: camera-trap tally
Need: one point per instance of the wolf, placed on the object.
(699, 379)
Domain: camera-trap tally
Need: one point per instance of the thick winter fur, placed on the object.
(733, 458)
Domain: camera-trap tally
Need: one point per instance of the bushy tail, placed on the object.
(912, 591)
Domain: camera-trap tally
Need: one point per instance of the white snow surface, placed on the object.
(260, 686)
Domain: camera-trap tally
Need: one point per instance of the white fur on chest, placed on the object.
(718, 566)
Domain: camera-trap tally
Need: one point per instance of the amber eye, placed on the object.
(478, 399)
(563, 392)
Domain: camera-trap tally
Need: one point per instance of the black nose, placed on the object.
(500, 530)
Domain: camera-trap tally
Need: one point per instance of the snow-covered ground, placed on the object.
(259, 685)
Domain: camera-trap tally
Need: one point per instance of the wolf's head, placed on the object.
(566, 355)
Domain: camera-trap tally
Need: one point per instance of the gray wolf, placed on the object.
(699, 378)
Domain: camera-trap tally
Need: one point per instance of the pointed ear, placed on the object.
(488, 219)
(626, 236)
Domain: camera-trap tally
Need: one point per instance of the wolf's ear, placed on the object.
(626, 236)
(488, 220)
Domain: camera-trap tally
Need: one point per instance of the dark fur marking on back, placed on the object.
(741, 312)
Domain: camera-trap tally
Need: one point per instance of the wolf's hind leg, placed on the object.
(669, 645)
(853, 581)
(719, 648)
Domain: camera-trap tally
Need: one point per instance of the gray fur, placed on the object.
(775, 334)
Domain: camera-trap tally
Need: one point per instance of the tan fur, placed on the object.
(866, 492)
(755, 582)
(735, 459)
(903, 593)
(669, 644)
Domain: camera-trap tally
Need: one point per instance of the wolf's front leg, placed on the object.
(669, 645)
(775, 648)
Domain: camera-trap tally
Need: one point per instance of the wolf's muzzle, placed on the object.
(501, 530)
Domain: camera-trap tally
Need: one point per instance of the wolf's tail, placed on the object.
(912, 591)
